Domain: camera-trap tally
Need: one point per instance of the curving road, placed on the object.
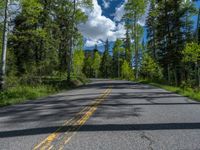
(104, 115)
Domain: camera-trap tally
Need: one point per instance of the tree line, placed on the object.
(173, 40)
(42, 37)
(171, 52)
(43, 41)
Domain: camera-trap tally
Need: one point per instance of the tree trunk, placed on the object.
(175, 76)
(136, 50)
(168, 74)
(96, 74)
(4, 47)
(70, 61)
(154, 45)
(71, 44)
(198, 74)
(118, 66)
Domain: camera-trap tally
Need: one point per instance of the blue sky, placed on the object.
(111, 6)
(104, 23)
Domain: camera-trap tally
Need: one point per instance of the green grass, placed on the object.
(187, 92)
(22, 93)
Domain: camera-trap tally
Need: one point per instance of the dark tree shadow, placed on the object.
(63, 107)
(104, 127)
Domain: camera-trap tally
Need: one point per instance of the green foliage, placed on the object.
(96, 63)
(118, 52)
(41, 40)
(128, 49)
(32, 46)
(106, 62)
(150, 69)
(134, 9)
(87, 69)
(31, 10)
(191, 53)
(188, 92)
(126, 71)
(45, 37)
(21, 93)
(170, 26)
(78, 62)
(191, 56)
(1, 35)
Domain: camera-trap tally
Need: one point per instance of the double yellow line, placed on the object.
(57, 139)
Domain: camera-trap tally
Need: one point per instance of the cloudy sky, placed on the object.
(104, 22)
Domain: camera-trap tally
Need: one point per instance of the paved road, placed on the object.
(104, 115)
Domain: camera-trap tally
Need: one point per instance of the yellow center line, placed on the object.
(51, 136)
(83, 120)
(46, 143)
(50, 147)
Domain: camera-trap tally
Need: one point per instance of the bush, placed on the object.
(126, 71)
(150, 69)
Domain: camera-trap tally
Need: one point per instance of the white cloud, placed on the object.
(119, 32)
(92, 43)
(100, 28)
(143, 19)
(106, 4)
(120, 11)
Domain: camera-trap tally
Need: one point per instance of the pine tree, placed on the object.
(168, 32)
(88, 67)
(128, 51)
(105, 66)
(117, 58)
(26, 38)
(151, 29)
(96, 63)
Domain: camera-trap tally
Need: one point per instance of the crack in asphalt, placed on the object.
(145, 136)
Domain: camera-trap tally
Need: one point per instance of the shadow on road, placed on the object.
(63, 107)
(120, 85)
(106, 127)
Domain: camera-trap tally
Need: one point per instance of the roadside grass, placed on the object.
(21, 93)
(187, 92)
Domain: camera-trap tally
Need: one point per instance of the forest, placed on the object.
(43, 50)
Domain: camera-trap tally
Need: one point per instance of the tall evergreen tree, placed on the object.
(105, 66)
(96, 63)
(128, 50)
(151, 29)
(168, 31)
(117, 57)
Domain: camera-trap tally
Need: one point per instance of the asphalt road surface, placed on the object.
(104, 115)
